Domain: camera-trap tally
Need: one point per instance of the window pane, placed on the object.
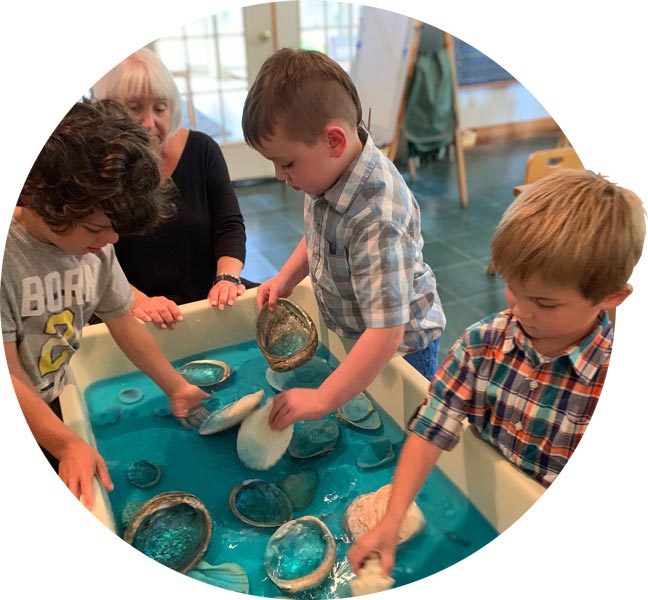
(230, 21)
(233, 113)
(311, 13)
(233, 58)
(201, 27)
(313, 39)
(201, 57)
(171, 52)
(207, 107)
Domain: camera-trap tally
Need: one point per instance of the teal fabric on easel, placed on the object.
(429, 122)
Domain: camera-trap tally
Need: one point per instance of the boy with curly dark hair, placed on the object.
(95, 178)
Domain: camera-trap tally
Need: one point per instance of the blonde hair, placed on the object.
(572, 227)
(141, 74)
(300, 92)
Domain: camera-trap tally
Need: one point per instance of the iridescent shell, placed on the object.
(314, 438)
(300, 554)
(356, 409)
(367, 510)
(286, 336)
(310, 375)
(195, 417)
(376, 453)
(231, 415)
(143, 473)
(300, 487)
(173, 528)
(260, 503)
(359, 412)
(229, 576)
(205, 373)
(257, 445)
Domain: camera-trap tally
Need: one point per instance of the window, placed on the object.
(208, 59)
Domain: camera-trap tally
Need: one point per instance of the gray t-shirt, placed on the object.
(48, 296)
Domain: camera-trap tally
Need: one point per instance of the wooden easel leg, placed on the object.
(411, 167)
(461, 168)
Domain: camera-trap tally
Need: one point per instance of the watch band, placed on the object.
(227, 277)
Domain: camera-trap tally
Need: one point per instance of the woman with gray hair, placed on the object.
(201, 252)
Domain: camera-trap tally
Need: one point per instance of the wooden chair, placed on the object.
(542, 163)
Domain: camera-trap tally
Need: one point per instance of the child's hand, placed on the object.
(162, 311)
(270, 291)
(184, 398)
(382, 539)
(296, 404)
(78, 465)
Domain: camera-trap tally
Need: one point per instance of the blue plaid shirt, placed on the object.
(365, 254)
(534, 409)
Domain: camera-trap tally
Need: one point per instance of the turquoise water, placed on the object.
(208, 467)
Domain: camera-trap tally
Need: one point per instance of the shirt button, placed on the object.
(533, 384)
(518, 425)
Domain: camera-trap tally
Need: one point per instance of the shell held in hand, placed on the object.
(230, 415)
(286, 336)
(258, 445)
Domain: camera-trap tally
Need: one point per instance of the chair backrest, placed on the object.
(543, 162)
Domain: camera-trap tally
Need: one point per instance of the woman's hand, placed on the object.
(224, 293)
(162, 311)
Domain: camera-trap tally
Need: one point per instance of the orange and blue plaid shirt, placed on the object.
(532, 408)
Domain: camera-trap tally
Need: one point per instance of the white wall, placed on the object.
(481, 107)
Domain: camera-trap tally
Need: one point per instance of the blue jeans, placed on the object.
(425, 361)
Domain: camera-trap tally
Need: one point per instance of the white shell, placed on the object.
(370, 578)
(367, 510)
(257, 445)
(232, 414)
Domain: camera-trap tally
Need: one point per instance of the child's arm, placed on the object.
(78, 461)
(283, 283)
(140, 347)
(417, 458)
(372, 351)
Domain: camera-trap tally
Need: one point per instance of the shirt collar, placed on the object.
(348, 186)
(586, 358)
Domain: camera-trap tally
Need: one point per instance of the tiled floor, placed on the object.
(456, 240)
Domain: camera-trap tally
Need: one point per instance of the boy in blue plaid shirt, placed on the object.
(528, 378)
(362, 244)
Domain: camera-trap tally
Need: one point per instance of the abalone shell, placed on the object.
(310, 375)
(300, 487)
(231, 415)
(205, 373)
(286, 336)
(260, 503)
(143, 473)
(300, 554)
(314, 438)
(173, 528)
(376, 453)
